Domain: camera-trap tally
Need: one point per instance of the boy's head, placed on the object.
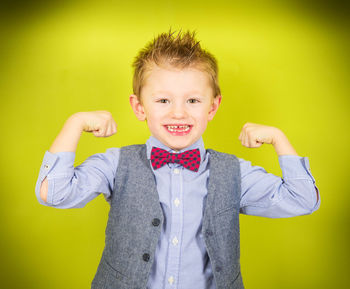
(175, 88)
(180, 51)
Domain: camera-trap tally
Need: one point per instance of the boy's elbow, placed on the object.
(308, 201)
(317, 201)
(314, 206)
(60, 195)
(43, 190)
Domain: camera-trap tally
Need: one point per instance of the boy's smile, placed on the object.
(178, 129)
(177, 105)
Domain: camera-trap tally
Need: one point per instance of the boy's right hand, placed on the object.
(100, 123)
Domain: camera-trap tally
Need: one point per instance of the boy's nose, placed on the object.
(178, 111)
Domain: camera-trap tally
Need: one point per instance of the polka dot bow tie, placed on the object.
(189, 159)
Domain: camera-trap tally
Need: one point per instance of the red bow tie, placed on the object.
(189, 159)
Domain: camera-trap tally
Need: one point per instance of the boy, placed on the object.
(174, 215)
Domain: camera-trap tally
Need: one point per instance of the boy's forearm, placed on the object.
(66, 141)
(68, 138)
(282, 145)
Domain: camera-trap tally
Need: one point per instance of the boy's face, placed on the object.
(177, 105)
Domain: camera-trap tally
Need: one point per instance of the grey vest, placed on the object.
(135, 221)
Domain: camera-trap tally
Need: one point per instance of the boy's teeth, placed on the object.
(178, 127)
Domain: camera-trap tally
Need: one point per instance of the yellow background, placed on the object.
(283, 64)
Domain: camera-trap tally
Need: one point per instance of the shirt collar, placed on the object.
(154, 142)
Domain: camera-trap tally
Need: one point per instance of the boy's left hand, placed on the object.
(254, 135)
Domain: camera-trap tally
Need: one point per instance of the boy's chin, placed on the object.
(179, 147)
(176, 143)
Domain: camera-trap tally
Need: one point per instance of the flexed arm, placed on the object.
(100, 123)
(264, 194)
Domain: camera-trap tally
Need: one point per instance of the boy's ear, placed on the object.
(137, 107)
(214, 107)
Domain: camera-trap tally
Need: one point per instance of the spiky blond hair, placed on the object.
(180, 50)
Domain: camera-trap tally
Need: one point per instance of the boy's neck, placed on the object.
(158, 143)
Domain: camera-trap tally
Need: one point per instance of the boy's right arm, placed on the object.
(100, 123)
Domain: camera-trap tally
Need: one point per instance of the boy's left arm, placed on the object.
(253, 136)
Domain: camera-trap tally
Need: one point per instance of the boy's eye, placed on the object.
(193, 100)
(163, 100)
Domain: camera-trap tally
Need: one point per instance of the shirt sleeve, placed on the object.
(74, 187)
(264, 194)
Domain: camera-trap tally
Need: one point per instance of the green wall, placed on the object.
(283, 64)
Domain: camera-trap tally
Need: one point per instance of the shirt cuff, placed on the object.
(295, 167)
(54, 165)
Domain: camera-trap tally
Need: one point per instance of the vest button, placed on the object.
(155, 222)
(145, 257)
(218, 269)
(209, 233)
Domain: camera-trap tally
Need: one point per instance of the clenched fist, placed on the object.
(100, 123)
(254, 135)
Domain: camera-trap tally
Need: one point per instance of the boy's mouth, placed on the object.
(178, 129)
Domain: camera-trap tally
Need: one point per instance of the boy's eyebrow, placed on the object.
(170, 93)
(160, 92)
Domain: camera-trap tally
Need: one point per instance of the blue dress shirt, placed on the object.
(181, 260)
